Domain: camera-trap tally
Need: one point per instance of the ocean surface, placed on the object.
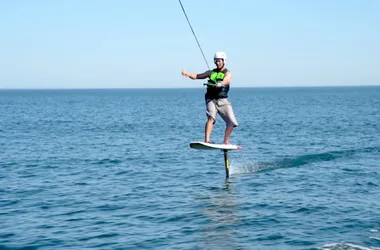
(112, 169)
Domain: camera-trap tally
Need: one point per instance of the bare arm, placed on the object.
(193, 76)
(227, 78)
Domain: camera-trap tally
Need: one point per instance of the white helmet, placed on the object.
(221, 55)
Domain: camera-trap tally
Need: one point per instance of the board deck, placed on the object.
(210, 146)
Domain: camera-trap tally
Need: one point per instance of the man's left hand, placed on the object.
(219, 85)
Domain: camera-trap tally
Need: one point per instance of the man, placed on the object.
(216, 96)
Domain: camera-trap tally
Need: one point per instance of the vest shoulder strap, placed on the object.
(224, 71)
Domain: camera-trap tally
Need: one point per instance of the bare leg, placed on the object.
(208, 128)
(227, 134)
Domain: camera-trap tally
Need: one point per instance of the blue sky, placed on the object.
(145, 44)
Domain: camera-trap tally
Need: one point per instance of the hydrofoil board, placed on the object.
(210, 146)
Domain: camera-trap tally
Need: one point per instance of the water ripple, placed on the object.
(112, 170)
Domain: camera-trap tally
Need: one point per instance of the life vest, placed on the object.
(214, 92)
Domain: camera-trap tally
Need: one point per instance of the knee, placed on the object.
(210, 119)
(231, 125)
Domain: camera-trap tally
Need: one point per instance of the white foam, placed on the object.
(346, 246)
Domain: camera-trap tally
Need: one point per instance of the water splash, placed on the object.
(251, 167)
(297, 161)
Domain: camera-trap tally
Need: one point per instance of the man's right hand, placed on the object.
(184, 73)
(196, 76)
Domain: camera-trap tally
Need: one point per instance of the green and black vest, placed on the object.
(214, 92)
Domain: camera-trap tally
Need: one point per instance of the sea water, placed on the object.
(112, 169)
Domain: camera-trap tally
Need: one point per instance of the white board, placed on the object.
(208, 146)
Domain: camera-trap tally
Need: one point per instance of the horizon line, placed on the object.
(235, 87)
